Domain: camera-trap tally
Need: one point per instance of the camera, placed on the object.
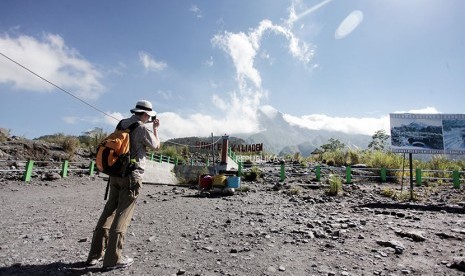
(152, 119)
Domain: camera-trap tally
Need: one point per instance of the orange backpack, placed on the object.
(113, 154)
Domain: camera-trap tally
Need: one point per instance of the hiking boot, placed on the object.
(93, 262)
(123, 264)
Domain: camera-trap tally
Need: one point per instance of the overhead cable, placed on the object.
(58, 87)
(83, 101)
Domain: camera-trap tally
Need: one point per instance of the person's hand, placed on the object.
(156, 123)
(134, 192)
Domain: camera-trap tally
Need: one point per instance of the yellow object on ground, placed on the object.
(219, 180)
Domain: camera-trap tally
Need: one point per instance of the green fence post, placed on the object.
(28, 173)
(383, 175)
(192, 162)
(161, 158)
(456, 179)
(64, 169)
(418, 176)
(282, 174)
(348, 175)
(207, 162)
(318, 173)
(151, 156)
(91, 168)
(239, 169)
(176, 161)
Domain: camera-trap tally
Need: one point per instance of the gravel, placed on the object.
(291, 229)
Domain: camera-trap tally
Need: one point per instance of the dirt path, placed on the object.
(46, 228)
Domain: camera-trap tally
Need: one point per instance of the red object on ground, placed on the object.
(205, 181)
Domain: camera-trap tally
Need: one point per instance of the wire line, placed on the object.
(86, 103)
(193, 146)
(58, 87)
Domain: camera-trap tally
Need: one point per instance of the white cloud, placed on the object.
(209, 62)
(173, 125)
(71, 120)
(426, 110)
(150, 63)
(349, 24)
(294, 17)
(242, 51)
(51, 59)
(241, 106)
(165, 94)
(114, 119)
(365, 125)
(196, 11)
(214, 84)
(270, 111)
(239, 118)
(243, 48)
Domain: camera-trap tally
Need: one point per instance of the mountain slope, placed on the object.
(280, 137)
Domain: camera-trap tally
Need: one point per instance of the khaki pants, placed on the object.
(108, 238)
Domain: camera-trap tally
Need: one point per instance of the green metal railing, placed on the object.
(380, 174)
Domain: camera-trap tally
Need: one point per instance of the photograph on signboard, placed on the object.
(416, 134)
(454, 134)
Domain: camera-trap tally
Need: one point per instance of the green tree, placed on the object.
(379, 141)
(4, 134)
(333, 145)
(94, 137)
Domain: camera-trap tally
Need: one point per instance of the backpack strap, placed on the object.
(118, 126)
(131, 127)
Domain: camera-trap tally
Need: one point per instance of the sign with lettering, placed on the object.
(234, 147)
(428, 133)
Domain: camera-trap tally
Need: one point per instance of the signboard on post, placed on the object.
(428, 133)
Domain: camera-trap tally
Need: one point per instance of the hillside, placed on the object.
(280, 137)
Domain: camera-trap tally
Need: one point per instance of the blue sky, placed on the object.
(209, 66)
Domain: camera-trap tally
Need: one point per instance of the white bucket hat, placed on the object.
(144, 106)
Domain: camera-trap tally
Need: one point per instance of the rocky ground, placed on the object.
(266, 229)
(293, 229)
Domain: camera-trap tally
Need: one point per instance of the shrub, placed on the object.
(352, 157)
(247, 163)
(172, 153)
(4, 134)
(439, 164)
(70, 145)
(388, 192)
(399, 196)
(379, 159)
(330, 162)
(335, 158)
(293, 191)
(243, 189)
(406, 196)
(253, 174)
(335, 185)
